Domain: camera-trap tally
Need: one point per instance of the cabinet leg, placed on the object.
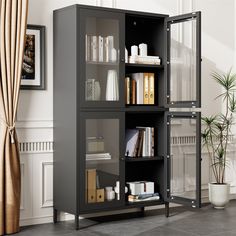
(167, 209)
(54, 215)
(142, 211)
(76, 222)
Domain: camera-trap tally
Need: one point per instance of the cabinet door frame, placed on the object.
(83, 14)
(83, 206)
(175, 20)
(167, 159)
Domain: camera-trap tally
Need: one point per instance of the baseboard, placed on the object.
(36, 220)
(45, 219)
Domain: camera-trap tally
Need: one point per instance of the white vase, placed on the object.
(218, 195)
(112, 88)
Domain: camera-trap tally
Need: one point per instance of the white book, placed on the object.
(139, 82)
(149, 141)
(98, 156)
(110, 46)
(144, 143)
(88, 47)
(106, 49)
(94, 49)
(100, 49)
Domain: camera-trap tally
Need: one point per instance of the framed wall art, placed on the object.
(33, 70)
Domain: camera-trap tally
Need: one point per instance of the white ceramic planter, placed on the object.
(218, 195)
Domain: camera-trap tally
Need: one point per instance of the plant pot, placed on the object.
(218, 195)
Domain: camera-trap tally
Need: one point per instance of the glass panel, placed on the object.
(183, 61)
(183, 157)
(102, 59)
(102, 160)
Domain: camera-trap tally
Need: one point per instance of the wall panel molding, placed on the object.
(47, 184)
(36, 147)
(34, 124)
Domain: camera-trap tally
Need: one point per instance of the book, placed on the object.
(138, 77)
(140, 149)
(100, 49)
(151, 60)
(131, 137)
(106, 49)
(147, 141)
(153, 141)
(138, 144)
(151, 92)
(87, 47)
(110, 46)
(91, 185)
(146, 89)
(133, 91)
(98, 156)
(127, 90)
(143, 197)
(94, 48)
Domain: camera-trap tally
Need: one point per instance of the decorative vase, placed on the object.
(112, 88)
(218, 195)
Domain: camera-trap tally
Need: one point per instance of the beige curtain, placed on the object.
(13, 22)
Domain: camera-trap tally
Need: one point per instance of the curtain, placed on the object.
(13, 21)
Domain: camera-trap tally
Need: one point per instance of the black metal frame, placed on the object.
(175, 20)
(83, 14)
(42, 85)
(117, 110)
(176, 199)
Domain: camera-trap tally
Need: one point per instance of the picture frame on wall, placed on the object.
(33, 69)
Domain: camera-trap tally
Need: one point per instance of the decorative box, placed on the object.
(141, 187)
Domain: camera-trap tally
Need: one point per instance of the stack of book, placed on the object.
(140, 88)
(140, 142)
(151, 60)
(143, 197)
(98, 156)
(100, 49)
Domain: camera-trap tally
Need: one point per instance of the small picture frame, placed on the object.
(33, 69)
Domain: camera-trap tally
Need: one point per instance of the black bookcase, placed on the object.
(91, 114)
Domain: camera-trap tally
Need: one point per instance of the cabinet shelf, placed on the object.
(97, 63)
(138, 65)
(140, 159)
(143, 107)
(145, 203)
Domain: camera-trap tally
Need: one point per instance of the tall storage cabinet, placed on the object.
(93, 116)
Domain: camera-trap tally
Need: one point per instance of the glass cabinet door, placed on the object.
(183, 158)
(101, 150)
(102, 58)
(184, 60)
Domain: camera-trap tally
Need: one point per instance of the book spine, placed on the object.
(106, 49)
(149, 142)
(133, 97)
(110, 46)
(151, 88)
(144, 143)
(127, 90)
(91, 185)
(100, 49)
(153, 141)
(94, 48)
(145, 89)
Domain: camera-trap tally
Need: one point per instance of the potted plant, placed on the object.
(216, 135)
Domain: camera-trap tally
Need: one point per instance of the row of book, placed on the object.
(139, 142)
(100, 49)
(140, 88)
(143, 197)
